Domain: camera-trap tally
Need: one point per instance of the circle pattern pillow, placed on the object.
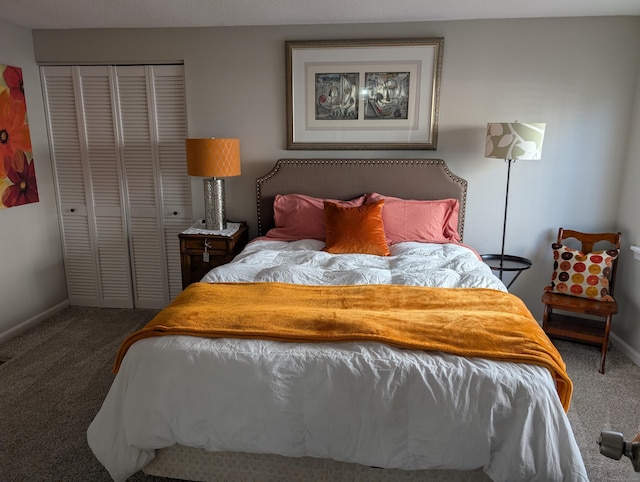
(582, 275)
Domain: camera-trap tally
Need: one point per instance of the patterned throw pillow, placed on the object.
(583, 275)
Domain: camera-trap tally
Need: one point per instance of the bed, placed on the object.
(313, 364)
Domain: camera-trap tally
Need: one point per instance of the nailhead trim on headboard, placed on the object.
(341, 162)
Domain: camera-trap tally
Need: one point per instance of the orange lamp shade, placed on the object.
(213, 157)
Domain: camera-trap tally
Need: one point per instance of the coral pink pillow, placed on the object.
(424, 221)
(298, 216)
(355, 229)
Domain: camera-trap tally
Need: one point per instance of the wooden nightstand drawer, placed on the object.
(200, 253)
(197, 244)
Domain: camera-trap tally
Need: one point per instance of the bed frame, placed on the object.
(422, 179)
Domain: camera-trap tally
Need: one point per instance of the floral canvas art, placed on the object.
(17, 174)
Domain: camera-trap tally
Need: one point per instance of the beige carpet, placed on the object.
(56, 375)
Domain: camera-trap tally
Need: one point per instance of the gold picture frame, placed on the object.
(363, 94)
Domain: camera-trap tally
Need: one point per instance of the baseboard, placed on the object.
(25, 325)
(625, 348)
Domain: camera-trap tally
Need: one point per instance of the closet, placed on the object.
(117, 143)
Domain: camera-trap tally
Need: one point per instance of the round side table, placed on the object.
(507, 263)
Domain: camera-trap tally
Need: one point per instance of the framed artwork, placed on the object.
(363, 94)
(17, 173)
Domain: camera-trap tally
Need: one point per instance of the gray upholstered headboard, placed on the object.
(423, 179)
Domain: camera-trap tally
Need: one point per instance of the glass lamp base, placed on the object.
(214, 205)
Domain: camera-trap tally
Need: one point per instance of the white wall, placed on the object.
(579, 75)
(627, 323)
(31, 271)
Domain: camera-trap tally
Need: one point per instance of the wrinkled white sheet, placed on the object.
(356, 402)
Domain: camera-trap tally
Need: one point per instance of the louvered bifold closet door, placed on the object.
(139, 159)
(96, 255)
(171, 121)
(106, 179)
(72, 186)
(152, 115)
(132, 208)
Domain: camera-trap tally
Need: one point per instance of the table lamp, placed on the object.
(213, 159)
(512, 141)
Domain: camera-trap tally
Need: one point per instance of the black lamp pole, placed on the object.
(504, 224)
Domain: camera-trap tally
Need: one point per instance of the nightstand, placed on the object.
(514, 264)
(201, 251)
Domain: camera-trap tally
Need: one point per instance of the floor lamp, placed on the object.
(512, 142)
(213, 159)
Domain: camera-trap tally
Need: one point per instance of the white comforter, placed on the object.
(356, 402)
(304, 262)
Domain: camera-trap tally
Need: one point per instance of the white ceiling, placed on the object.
(55, 14)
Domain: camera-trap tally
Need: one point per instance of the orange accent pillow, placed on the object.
(298, 216)
(355, 229)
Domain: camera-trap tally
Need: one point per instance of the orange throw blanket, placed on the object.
(470, 322)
